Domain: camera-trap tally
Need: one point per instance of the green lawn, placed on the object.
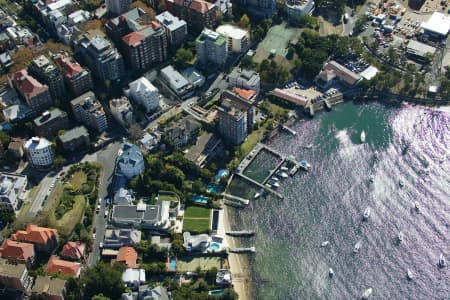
(79, 178)
(197, 212)
(167, 198)
(252, 140)
(66, 224)
(190, 263)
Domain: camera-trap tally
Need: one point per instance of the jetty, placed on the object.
(242, 250)
(327, 104)
(233, 203)
(291, 131)
(241, 233)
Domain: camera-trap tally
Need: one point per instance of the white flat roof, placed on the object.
(437, 23)
(369, 73)
(232, 31)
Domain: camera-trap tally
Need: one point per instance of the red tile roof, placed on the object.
(17, 250)
(73, 250)
(128, 255)
(26, 84)
(34, 234)
(246, 94)
(70, 68)
(63, 267)
(198, 5)
(133, 39)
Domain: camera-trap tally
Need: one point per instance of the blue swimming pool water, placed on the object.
(173, 264)
(216, 292)
(213, 188)
(220, 174)
(199, 199)
(214, 246)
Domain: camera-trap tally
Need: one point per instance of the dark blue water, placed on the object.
(408, 144)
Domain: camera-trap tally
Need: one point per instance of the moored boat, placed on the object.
(284, 175)
(366, 214)
(330, 273)
(442, 262)
(400, 237)
(324, 244)
(357, 247)
(367, 293)
(363, 136)
(409, 275)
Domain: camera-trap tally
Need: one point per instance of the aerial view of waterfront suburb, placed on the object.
(224, 149)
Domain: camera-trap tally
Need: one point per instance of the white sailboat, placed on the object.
(363, 136)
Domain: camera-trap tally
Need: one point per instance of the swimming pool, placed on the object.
(220, 174)
(214, 188)
(199, 199)
(216, 292)
(173, 264)
(214, 246)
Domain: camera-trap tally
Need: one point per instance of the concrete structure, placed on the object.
(44, 70)
(244, 79)
(259, 8)
(117, 7)
(143, 92)
(88, 111)
(232, 123)
(32, 91)
(291, 97)
(198, 14)
(39, 152)
(176, 29)
(12, 189)
(142, 41)
(199, 242)
(146, 292)
(238, 39)
(194, 77)
(17, 112)
(75, 139)
(130, 161)
(46, 287)
(297, 8)
(149, 142)
(420, 51)
(334, 71)
(122, 111)
(143, 216)
(14, 277)
(211, 47)
(123, 196)
(56, 266)
(77, 78)
(133, 277)
(244, 100)
(116, 238)
(17, 252)
(44, 239)
(105, 62)
(176, 81)
(78, 17)
(204, 150)
(50, 122)
(182, 132)
(438, 25)
(223, 277)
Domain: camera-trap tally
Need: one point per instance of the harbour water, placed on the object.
(408, 144)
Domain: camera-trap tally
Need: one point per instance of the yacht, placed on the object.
(366, 213)
(284, 169)
(363, 136)
(442, 261)
(357, 247)
(400, 237)
(330, 273)
(274, 178)
(284, 175)
(409, 275)
(324, 244)
(257, 195)
(276, 184)
(367, 293)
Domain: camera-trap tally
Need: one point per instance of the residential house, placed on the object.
(73, 250)
(182, 132)
(149, 142)
(18, 252)
(123, 196)
(205, 149)
(44, 239)
(56, 266)
(146, 292)
(199, 242)
(50, 122)
(122, 111)
(12, 189)
(133, 278)
(39, 152)
(49, 288)
(198, 14)
(128, 256)
(130, 161)
(88, 111)
(116, 238)
(244, 79)
(143, 216)
(14, 277)
(74, 139)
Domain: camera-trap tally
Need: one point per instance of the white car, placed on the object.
(94, 236)
(99, 200)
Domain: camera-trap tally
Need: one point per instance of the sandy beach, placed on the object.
(238, 264)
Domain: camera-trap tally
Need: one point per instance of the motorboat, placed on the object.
(417, 206)
(276, 184)
(275, 178)
(330, 273)
(284, 169)
(284, 175)
(409, 274)
(305, 164)
(367, 293)
(366, 213)
(401, 183)
(257, 195)
(442, 262)
(309, 146)
(371, 178)
(363, 136)
(324, 244)
(400, 237)
(357, 247)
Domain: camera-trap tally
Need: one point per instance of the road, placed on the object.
(41, 194)
(107, 157)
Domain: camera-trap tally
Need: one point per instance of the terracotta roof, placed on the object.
(288, 96)
(34, 234)
(73, 250)
(17, 250)
(246, 94)
(133, 39)
(70, 68)
(63, 267)
(128, 255)
(26, 84)
(198, 5)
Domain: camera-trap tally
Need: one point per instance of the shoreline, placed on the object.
(239, 265)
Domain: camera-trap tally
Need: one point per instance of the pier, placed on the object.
(242, 250)
(327, 104)
(261, 185)
(236, 198)
(241, 233)
(291, 131)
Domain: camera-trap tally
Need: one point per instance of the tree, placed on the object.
(4, 139)
(91, 25)
(246, 62)
(7, 216)
(149, 11)
(59, 161)
(183, 57)
(22, 58)
(103, 279)
(198, 186)
(135, 132)
(244, 21)
(100, 297)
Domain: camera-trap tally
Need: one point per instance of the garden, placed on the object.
(197, 219)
